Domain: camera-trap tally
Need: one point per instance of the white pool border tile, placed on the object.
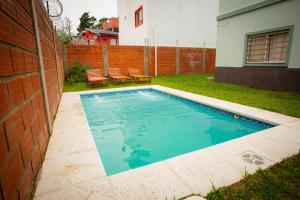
(70, 171)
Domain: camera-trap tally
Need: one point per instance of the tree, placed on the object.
(86, 22)
(68, 25)
(64, 37)
(99, 25)
(64, 31)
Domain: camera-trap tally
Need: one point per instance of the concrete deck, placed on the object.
(73, 169)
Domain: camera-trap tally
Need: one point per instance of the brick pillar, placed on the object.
(55, 51)
(146, 60)
(41, 64)
(203, 59)
(65, 60)
(177, 60)
(105, 59)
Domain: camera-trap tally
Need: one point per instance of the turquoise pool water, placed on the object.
(135, 128)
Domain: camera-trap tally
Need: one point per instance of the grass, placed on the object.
(281, 102)
(281, 181)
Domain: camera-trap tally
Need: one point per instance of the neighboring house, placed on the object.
(112, 24)
(99, 37)
(189, 23)
(258, 44)
(77, 40)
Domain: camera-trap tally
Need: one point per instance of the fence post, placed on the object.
(65, 60)
(204, 58)
(177, 60)
(41, 64)
(55, 51)
(146, 60)
(155, 53)
(105, 60)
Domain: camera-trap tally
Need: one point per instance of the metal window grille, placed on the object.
(268, 47)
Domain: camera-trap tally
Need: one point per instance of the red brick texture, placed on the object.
(52, 62)
(191, 60)
(24, 133)
(166, 61)
(86, 55)
(124, 57)
(210, 60)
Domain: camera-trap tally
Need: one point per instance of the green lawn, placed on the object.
(281, 181)
(281, 102)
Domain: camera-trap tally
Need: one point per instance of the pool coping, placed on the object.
(77, 169)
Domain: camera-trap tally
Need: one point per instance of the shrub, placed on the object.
(77, 73)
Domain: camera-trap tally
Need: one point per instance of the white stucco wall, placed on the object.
(231, 31)
(190, 22)
(230, 5)
(128, 34)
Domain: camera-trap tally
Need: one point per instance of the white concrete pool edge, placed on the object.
(73, 169)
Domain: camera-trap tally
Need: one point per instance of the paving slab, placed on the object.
(155, 181)
(274, 148)
(94, 189)
(285, 134)
(293, 124)
(63, 146)
(242, 155)
(61, 130)
(69, 170)
(201, 170)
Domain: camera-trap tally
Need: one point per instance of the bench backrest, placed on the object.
(93, 72)
(134, 71)
(114, 72)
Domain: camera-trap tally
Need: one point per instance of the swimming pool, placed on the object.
(139, 127)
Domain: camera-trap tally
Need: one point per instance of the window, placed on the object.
(138, 16)
(268, 48)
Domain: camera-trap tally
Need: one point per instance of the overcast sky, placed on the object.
(97, 8)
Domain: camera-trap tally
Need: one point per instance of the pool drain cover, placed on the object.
(252, 158)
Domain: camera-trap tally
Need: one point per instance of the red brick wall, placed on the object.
(210, 63)
(23, 129)
(166, 61)
(125, 57)
(190, 60)
(52, 68)
(85, 55)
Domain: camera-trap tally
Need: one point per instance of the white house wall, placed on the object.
(231, 31)
(128, 34)
(190, 23)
